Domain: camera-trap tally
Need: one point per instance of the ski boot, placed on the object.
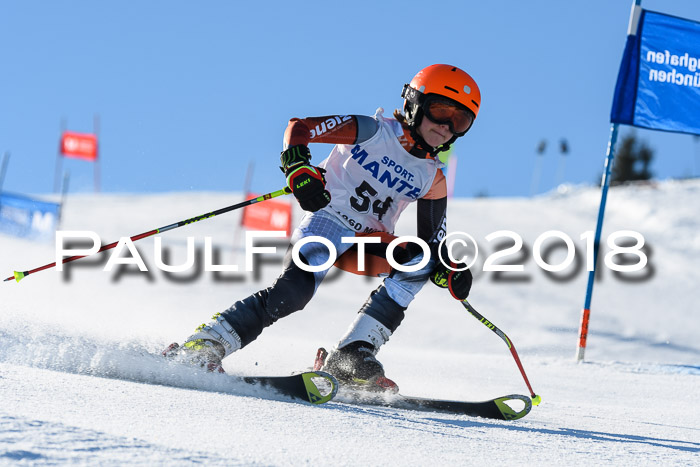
(356, 366)
(200, 352)
(207, 346)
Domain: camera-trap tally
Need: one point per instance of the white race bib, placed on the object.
(371, 183)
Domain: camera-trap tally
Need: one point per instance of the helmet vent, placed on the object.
(475, 103)
(452, 89)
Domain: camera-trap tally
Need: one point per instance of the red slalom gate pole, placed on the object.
(284, 191)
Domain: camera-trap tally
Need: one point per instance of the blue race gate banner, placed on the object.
(23, 216)
(658, 86)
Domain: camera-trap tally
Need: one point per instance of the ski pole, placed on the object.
(535, 398)
(284, 191)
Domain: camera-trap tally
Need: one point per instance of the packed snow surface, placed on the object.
(81, 382)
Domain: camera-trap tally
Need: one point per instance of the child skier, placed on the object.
(376, 168)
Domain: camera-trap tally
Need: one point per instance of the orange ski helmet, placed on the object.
(442, 84)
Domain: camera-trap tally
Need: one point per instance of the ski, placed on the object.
(316, 387)
(497, 408)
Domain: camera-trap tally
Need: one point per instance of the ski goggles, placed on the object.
(447, 112)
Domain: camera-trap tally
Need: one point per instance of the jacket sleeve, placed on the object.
(432, 214)
(334, 129)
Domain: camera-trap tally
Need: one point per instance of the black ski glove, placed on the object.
(458, 282)
(306, 181)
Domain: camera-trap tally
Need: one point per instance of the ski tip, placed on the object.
(19, 276)
(510, 413)
(536, 399)
(321, 387)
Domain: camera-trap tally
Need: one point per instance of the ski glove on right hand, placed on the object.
(306, 181)
(458, 282)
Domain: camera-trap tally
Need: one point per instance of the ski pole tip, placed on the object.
(536, 399)
(19, 276)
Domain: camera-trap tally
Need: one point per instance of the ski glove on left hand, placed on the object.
(306, 181)
(458, 282)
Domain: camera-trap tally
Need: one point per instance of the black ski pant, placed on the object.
(290, 292)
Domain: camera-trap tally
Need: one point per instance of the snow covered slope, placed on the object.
(76, 378)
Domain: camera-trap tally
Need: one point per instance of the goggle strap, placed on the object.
(412, 95)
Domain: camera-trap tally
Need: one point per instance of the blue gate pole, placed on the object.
(3, 168)
(605, 184)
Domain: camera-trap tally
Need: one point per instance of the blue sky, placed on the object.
(188, 93)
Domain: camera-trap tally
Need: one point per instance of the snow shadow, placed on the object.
(29, 441)
(434, 425)
(597, 436)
